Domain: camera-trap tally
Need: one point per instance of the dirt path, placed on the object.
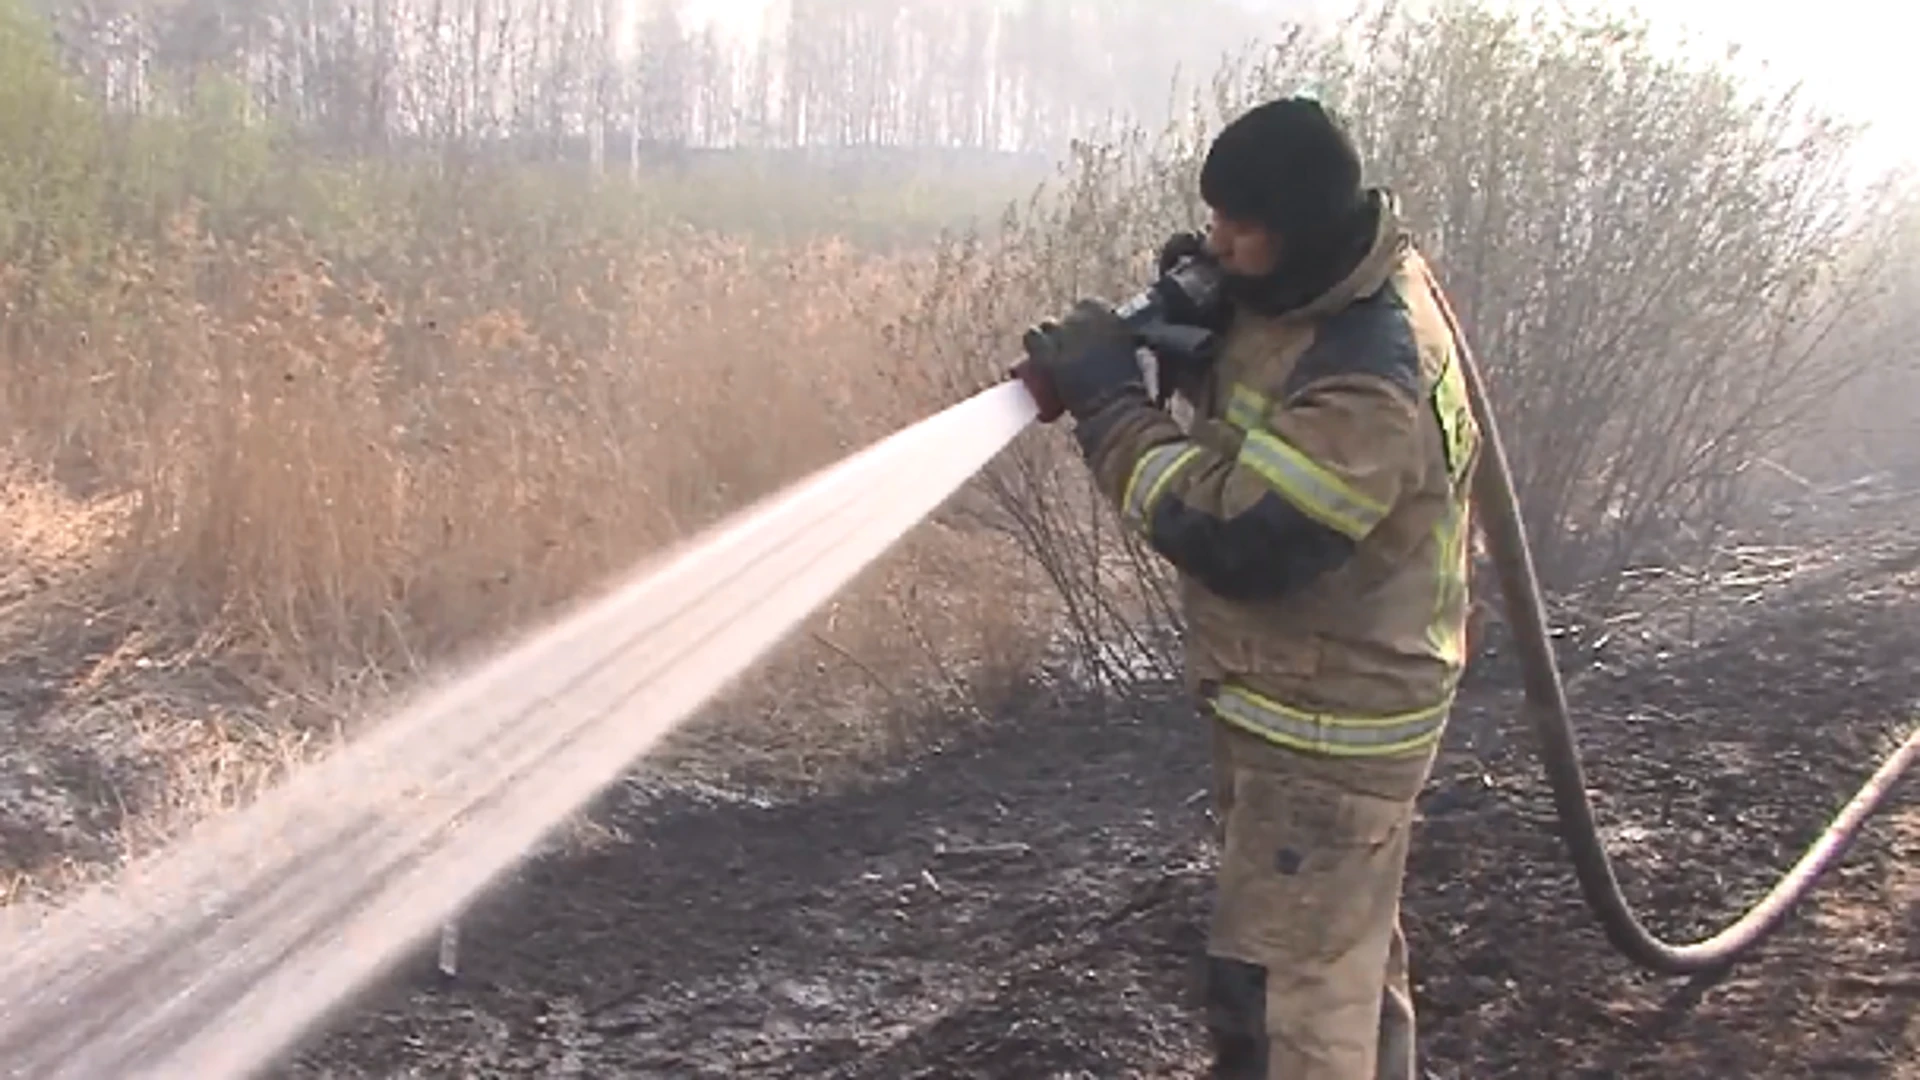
(1030, 903)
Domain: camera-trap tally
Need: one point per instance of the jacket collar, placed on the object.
(1375, 268)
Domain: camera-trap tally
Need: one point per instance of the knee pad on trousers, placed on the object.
(1237, 1018)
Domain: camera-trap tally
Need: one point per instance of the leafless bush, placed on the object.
(1653, 260)
(1067, 242)
(1870, 427)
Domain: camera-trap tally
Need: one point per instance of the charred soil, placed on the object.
(1029, 899)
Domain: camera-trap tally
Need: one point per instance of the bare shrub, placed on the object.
(1869, 430)
(1068, 241)
(1652, 259)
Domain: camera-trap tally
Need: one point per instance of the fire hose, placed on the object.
(1189, 292)
(1551, 718)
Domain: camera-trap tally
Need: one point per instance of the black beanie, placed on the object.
(1288, 165)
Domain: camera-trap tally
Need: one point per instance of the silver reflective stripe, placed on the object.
(1322, 733)
(1306, 484)
(1151, 475)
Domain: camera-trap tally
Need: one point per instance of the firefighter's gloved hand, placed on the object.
(1039, 381)
(1081, 363)
(1181, 245)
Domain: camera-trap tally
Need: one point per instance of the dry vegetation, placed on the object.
(286, 427)
(326, 470)
(265, 467)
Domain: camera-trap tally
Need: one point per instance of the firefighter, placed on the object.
(1316, 511)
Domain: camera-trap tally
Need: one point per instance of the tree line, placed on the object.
(621, 78)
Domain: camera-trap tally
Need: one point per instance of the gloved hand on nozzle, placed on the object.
(1181, 245)
(1080, 364)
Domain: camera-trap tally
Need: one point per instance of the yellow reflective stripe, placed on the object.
(1246, 408)
(1334, 736)
(1459, 440)
(1151, 474)
(1446, 633)
(1309, 486)
(1459, 432)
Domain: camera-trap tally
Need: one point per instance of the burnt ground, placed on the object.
(1029, 900)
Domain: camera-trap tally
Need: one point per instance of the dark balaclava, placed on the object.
(1289, 166)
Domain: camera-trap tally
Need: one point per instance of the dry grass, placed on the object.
(306, 481)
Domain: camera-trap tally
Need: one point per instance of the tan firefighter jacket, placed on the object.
(1317, 511)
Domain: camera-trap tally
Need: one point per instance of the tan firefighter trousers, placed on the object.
(1307, 964)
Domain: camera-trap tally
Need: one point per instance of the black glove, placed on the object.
(1181, 245)
(1082, 363)
(1182, 309)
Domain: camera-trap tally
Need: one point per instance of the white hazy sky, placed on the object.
(1855, 56)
